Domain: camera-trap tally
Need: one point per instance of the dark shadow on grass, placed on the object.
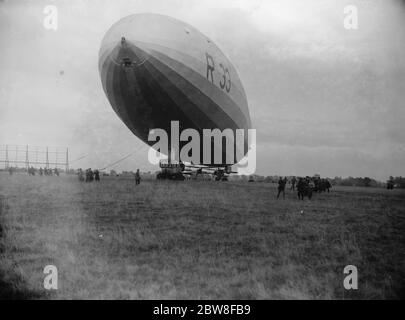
(11, 289)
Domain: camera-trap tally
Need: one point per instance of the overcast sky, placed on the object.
(323, 99)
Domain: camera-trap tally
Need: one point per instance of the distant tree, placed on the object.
(336, 181)
(268, 179)
(356, 182)
(367, 181)
(399, 182)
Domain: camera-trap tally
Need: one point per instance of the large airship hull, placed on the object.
(155, 69)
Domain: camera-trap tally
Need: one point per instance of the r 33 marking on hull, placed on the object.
(225, 82)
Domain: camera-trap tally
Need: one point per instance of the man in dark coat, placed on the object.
(281, 187)
(137, 177)
(96, 175)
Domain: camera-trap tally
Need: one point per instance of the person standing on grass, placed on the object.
(96, 175)
(293, 182)
(281, 187)
(89, 175)
(137, 177)
(80, 174)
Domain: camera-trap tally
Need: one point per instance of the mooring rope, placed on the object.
(118, 161)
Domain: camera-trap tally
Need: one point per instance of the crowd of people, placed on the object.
(89, 175)
(47, 171)
(304, 186)
(41, 171)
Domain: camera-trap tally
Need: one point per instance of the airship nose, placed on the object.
(128, 54)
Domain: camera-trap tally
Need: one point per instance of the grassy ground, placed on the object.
(197, 240)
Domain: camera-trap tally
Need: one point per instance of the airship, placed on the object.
(155, 69)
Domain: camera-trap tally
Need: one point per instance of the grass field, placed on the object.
(197, 240)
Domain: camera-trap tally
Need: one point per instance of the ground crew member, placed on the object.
(80, 174)
(281, 187)
(293, 182)
(137, 177)
(96, 175)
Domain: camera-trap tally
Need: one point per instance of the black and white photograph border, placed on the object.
(202, 150)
